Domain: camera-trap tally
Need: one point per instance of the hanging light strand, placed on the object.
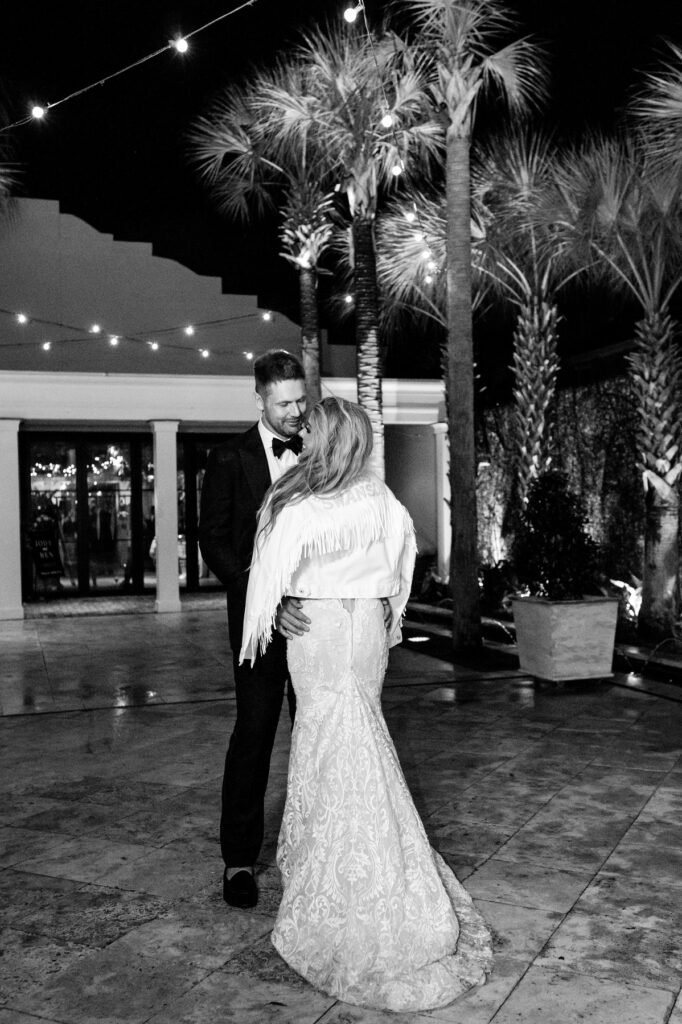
(142, 338)
(173, 44)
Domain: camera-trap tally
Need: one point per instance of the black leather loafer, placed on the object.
(240, 890)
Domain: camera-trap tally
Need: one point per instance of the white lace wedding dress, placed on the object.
(371, 913)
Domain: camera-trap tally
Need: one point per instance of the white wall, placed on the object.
(57, 267)
(411, 475)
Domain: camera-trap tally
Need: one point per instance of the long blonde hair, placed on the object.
(337, 448)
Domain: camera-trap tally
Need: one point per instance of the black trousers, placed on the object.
(260, 690)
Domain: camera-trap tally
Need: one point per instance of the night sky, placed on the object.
(117, 156)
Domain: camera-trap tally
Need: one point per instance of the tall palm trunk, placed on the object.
(656, 368)
(466, 625)
(310, 334)
(536, 368)
(367, 334)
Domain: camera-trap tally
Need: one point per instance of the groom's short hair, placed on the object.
(275, 365)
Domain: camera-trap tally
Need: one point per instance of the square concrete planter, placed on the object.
(561, 640)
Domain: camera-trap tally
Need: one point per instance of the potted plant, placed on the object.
(565, 629)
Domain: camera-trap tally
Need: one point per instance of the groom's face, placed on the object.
(282, 406)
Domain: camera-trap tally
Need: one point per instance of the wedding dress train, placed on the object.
(371, 913)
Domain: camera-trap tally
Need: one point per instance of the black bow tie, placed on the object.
(294, 444)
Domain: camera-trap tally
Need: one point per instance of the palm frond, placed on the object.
(519, 70)
(657, 108)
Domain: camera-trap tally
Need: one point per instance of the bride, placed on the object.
(371, 914)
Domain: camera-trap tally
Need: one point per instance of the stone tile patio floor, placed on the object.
(558, 806)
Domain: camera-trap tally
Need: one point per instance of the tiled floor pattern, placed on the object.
(559, 807)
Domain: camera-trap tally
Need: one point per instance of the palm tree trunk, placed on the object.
(536, 368)
(367, 335)
(660, 594)
(310, 334)
(466, 623)
(656, 369)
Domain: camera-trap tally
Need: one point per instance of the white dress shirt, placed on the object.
(275, 465)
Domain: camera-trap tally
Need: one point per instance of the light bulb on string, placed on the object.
(428, 279)
(387, 120)
(22, 318)
(180, 44)
(154, 346)
(95, 329)
(351, 13)
(37, 112)
(47, 345)
(419, 236)
(397, 169)
(426, 254)
(248, 355)
(267, 316)
(113, 340)
(410, 216)
(189, 330)
(348, 299)
(431, 265)
(204, 353)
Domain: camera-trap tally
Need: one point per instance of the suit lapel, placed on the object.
(255, 463)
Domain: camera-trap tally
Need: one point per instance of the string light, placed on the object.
(189, 331)
(351, 13)
(46, 346)
(179, 44)
(143, 338)
(387, 121)
(95, 329)
(348, 299)
(397, 169)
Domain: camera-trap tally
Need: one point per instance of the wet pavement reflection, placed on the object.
(559, 806)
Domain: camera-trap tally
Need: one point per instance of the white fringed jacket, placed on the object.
(359, 543)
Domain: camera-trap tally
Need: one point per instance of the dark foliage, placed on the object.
(553, 554)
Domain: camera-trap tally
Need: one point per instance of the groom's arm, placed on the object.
(217, 532)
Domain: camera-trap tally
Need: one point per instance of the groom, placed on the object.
(237, 476)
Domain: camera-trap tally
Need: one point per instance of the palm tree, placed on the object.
(364, 107)
(526, 265)
(247, 170)
(657, 108)
(624, 206)
(462, 39)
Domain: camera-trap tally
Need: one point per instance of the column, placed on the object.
(10, 535)
(443, 527)
(166, 515)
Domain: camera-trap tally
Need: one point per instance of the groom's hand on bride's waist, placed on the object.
(290, 620)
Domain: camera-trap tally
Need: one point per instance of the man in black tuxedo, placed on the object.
(237, 476)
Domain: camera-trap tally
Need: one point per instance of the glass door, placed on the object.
(50, 522)
(109, 528)
(88, 515)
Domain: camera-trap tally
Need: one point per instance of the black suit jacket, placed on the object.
(233, 489)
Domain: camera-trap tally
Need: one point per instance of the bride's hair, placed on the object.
(336, 450)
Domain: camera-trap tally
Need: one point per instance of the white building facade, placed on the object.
(104, 433)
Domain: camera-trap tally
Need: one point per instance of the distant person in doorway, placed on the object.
(237, 476)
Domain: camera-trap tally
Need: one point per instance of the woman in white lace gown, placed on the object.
(371, 913)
